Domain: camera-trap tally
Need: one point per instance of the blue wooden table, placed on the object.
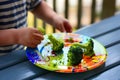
(15, 65)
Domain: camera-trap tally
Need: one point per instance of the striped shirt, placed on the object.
(13, 14)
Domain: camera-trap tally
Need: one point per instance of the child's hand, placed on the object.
(62, 24)
(29, 37)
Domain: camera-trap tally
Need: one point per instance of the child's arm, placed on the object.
(44, 12)
(26, 36)
(8, 37)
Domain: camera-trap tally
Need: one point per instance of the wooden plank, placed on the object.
(93, 12)
(102, 27)
(55, 9)
(109, 39)
(12, 59)
(35, 22)
(112, 74)
(54, 5)
(113, 56)
(66, 9)
(79, 14)
(44, 26)
(108, 8)
(21, 71)
(43, 22)
(112, 61)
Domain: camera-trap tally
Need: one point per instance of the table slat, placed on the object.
(21, 71)
(112, 74)
(12, 59)
(101, 28)
(110, 38)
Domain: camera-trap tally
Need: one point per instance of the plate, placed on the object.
(44, 57)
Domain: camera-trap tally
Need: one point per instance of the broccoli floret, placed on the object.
(57, 43)
(77, 50)
(87, 47)
(41, 30)
(74, 55)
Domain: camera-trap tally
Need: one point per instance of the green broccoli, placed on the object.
(42, 30)
(77, 50)
(87, 47)
(57, 43)
(74, 55)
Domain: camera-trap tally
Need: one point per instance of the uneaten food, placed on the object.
(75, 51)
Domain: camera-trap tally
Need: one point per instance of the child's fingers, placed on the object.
(67, 26)
(38, 36)
(34, 43)
(37, 31)
(61, 28)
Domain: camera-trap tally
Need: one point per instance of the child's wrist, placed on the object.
(54, 20)
(15, 36)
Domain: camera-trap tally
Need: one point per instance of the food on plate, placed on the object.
(74, 55)
(74, 52)
(67, 52)
(57, 43)
(87, 47)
